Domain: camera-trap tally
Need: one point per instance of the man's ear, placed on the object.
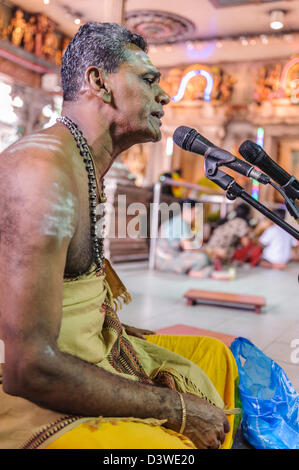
(98, 82)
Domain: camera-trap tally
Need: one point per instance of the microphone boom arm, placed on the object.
(234, 190)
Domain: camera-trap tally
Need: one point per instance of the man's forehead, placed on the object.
(138, 59)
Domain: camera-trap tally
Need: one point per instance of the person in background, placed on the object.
(277, 245)
(177, 250)
(227, 235)
(173, 190)
(249, 250)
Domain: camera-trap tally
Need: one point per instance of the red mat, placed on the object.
(193, 331)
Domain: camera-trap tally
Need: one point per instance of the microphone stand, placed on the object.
(290, 202)
(234, 190)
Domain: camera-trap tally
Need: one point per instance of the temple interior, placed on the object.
(231, 69)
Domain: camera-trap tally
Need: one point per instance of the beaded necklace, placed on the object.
(94, 189)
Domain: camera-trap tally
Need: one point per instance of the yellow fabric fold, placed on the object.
(117, 288)
(216, 360)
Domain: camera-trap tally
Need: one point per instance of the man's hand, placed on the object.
(206, 424)
(138, 332)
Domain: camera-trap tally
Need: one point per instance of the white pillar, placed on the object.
(113, 11)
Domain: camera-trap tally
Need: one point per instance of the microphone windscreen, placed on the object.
(180, 135)
(189, 139)
(250, 151)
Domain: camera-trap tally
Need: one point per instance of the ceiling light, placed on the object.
(264, 39)
(244, 41)
(189, 45)
(77, 21)
(276, 19)
(46, 2)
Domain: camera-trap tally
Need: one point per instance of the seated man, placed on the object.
(277, 245)
(71, 370)
(178, 249)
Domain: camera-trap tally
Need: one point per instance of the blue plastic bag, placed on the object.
(270, 402)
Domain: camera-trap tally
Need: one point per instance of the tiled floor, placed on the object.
(158, 302)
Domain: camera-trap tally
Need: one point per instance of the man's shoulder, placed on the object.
(32, 167)
(35, 146)
(38, 155)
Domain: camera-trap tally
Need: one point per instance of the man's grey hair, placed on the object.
(99, 44)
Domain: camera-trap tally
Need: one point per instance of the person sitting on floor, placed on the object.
(72, 370)
(277, 245)
(178, 248)
(222, 243)
(249, 250)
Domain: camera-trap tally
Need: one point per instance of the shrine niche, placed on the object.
(276, 94)
(195, 87)
(268, 85)
(278, 82)
(35, 33)
(290, 79)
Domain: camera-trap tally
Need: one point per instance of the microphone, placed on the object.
(255, 154)
(189, 139)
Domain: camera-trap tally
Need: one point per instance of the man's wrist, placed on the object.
(171, 410)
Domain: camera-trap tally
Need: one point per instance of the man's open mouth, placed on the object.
(158, 115)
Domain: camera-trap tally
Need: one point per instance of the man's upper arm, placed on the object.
(37, 221)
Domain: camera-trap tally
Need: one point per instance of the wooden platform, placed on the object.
(195, 296)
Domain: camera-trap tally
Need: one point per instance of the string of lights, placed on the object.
(264, 39)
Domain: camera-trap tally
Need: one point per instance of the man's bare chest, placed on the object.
(80, 252)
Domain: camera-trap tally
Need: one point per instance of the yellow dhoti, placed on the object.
(91, 330)
(211, 355)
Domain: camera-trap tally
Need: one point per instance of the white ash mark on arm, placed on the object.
(59, 220)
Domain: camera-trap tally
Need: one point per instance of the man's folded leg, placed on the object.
(211, 355)
(120, 434)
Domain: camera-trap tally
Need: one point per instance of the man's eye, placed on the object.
(149, 80)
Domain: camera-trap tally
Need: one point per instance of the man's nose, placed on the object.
(162, 97)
